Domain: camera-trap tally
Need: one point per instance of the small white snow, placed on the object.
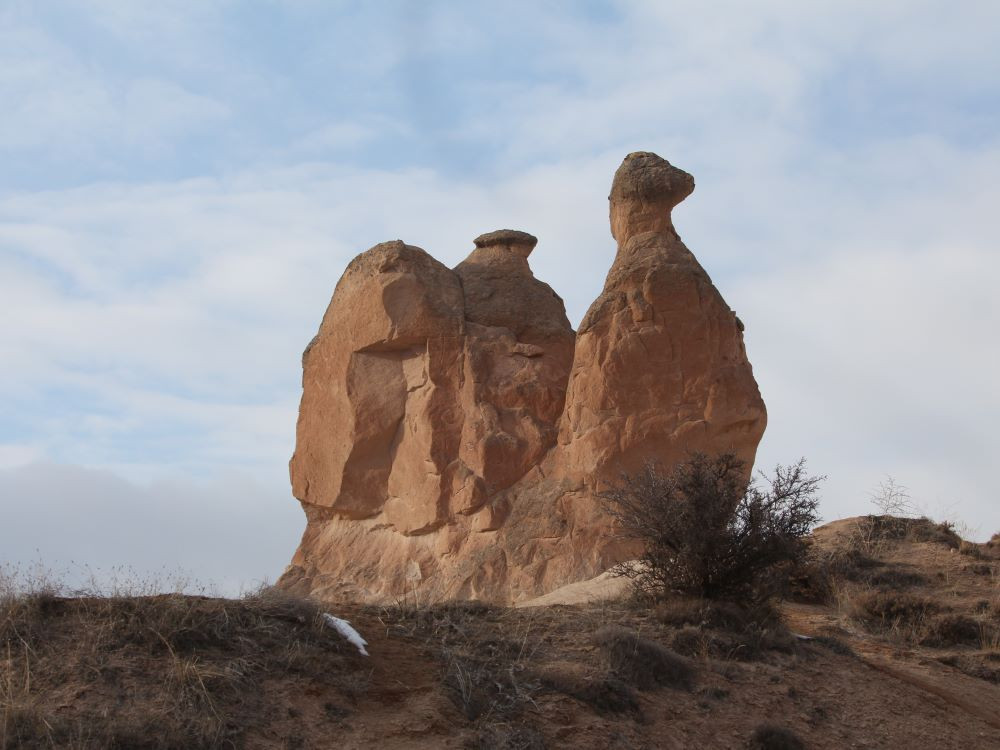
(347, 630)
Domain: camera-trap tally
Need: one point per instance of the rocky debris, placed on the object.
(454, 432)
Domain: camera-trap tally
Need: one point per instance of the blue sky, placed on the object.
(183, 183)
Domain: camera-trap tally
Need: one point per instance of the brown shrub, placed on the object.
(723, 615)
(951, 630)
(895, 578)
(644, 663)
(691, 640)
(971, 549)
(890, 610)
(724, 629)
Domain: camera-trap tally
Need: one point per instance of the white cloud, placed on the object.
(160, 322)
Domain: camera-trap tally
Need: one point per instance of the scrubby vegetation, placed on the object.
(133, 669)
(193, 664)
(877, 576)
(497, 664)
(644, 663)
(705, 531)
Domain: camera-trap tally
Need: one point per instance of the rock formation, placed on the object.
(454, 432)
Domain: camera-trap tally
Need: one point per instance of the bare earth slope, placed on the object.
(901, 648)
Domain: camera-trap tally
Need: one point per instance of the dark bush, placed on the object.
(644, 663)
(889, 607)
(706, 531)
(951, 630)
(904, 615)
(770, 737)
(895, 578)
(690, 641)
(721, 615)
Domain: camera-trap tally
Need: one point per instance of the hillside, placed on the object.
(890, 638)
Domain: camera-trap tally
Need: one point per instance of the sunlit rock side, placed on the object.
(454, 432)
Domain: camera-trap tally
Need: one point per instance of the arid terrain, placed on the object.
(890, 638)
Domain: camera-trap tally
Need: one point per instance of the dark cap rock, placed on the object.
(649, 178)
(505, 237)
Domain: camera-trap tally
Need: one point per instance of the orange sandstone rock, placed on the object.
(454, 432)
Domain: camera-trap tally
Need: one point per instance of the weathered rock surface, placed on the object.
(454, 432)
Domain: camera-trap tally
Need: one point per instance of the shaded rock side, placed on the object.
(454, 433)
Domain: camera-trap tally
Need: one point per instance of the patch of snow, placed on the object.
(347, 630)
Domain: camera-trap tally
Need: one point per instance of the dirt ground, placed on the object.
(894, 642)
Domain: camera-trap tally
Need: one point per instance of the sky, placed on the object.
(183, 183)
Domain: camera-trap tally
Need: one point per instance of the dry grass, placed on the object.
(485, 654)
(178, 671)
(875, 536)
(920, 620)
(498, 665)
(724, 630)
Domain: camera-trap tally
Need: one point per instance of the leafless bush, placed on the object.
(892, 499)
(706, 531)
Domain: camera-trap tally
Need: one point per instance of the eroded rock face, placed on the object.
(660, 368)
(454, 432)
